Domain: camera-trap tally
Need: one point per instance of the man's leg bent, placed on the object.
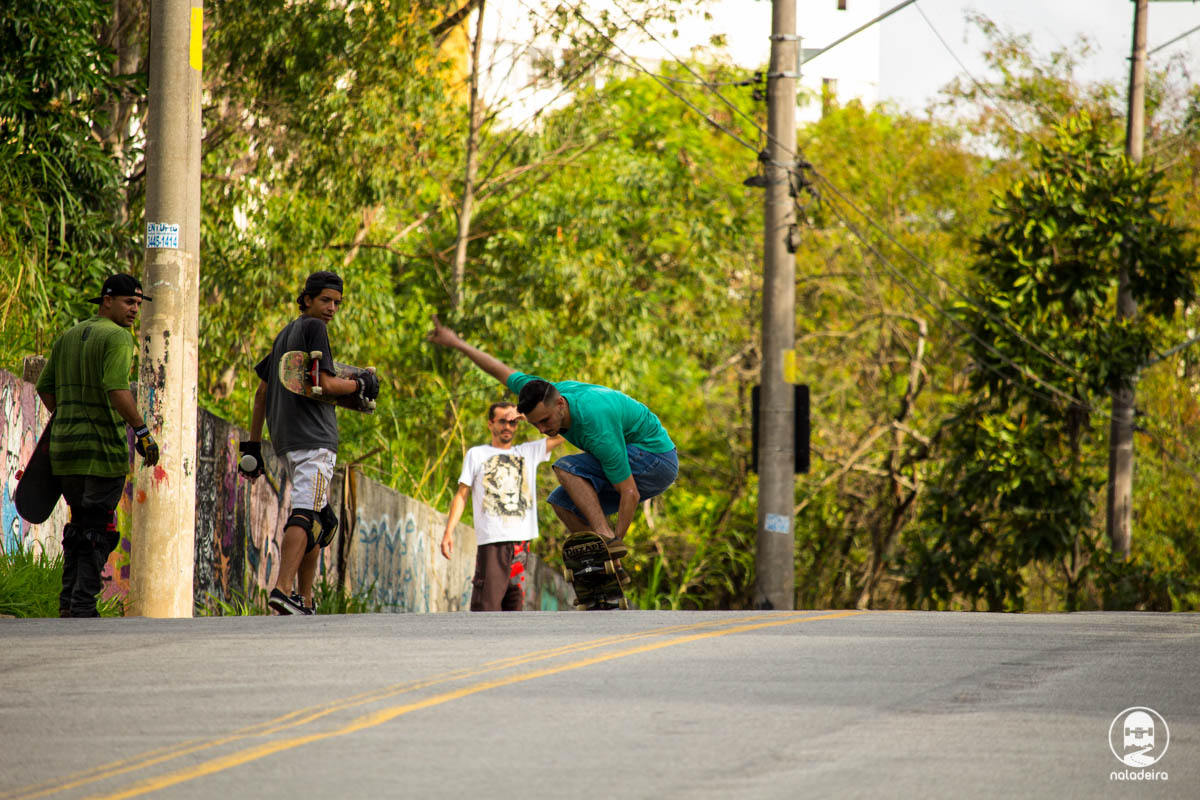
(584, 496)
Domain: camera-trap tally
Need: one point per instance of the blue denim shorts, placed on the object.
(652, 472)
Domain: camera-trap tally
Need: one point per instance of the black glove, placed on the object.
(146, 447)
(251, 462)
(368, 384)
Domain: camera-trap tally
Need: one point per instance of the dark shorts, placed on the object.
(499, 583)
(652, 472)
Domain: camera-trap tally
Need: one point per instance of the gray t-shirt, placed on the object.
(296, 422)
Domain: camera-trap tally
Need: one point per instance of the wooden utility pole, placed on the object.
(776, 541)
(164, 503)
(1120, 445)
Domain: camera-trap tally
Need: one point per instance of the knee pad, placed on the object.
(303, 518)
(72, 535)
(329, 524)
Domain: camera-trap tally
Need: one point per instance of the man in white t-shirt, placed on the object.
(502, 480)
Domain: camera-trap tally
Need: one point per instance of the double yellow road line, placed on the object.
(660, 638)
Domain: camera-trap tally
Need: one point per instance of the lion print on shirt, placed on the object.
(505, 489)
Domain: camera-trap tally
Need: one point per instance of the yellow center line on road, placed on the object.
(381, 716)
(304, 716)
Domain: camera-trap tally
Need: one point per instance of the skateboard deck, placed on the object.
(299, 372)
(38, 489)
(592, 572)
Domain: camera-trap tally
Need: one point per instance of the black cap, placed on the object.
(320, 280)
(120, 286)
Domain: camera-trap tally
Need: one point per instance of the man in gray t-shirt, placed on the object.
(304, 433)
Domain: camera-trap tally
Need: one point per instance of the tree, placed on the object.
(61, 229)
(1023, 455)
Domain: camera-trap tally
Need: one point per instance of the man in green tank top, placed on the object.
(627, 457)
(85, 385)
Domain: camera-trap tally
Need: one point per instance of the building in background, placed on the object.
(518, 45)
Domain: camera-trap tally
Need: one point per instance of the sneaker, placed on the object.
(616, 547)
(298, 600)
(286, 606)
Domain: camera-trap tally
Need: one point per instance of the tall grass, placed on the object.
(31, 581)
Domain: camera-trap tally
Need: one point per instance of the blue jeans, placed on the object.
(652, 472)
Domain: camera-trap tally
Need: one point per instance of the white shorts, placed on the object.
(310, 472)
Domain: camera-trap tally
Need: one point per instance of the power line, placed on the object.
(1024, 372)
(928, 268)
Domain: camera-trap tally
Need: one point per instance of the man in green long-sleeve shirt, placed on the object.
(627, 457)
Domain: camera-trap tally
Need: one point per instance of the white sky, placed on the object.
(900, 59)
(914, 64)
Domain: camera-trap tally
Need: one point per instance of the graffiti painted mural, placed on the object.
(394, 553)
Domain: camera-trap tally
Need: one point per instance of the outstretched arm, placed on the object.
(486, 362)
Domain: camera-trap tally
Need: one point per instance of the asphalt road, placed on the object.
(605, 704)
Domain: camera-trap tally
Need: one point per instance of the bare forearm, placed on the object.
(124, 404)
(629, 503)
(335, 386)
(486, 362)
(458, 504)
(49, 401)
(259, 415)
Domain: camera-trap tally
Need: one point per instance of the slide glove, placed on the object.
(368, 384)
(146, 447)
(251, 462)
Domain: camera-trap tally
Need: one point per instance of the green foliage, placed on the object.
(30, 582)
(237, 604)
(1025, 457)
(59, 187)
(329, 599)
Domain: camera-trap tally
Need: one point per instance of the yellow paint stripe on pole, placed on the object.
(196, 50)
(789, 366)
(381, 716)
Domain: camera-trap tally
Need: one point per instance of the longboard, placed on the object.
(300, 373)
(592, 572)
(38, 489)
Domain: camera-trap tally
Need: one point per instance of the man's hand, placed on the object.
(368, 384)
(442, 335)
(146, 446)
(251, 462)
(447, 544)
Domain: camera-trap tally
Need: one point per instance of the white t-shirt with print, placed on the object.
(504, 490)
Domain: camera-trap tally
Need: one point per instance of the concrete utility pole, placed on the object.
(775, 559)
(1120, 445)
(164, 502)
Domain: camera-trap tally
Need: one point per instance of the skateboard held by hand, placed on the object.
(300, 373)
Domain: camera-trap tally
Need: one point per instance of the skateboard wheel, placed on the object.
(315, 354)
(581, 607)
(248, 463)
(318, 390)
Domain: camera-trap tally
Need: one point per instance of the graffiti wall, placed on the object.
(387, 542)
(395, 550)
